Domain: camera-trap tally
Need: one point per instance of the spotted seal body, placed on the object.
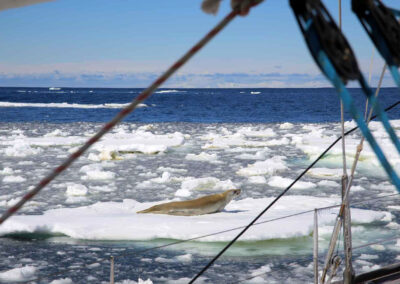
(203, 205)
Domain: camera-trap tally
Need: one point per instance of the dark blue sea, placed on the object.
(61, 105)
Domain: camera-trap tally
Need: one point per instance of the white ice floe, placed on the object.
(328, 183)
(169, 91)
(286, 125)
(20, 149)
(7, 171)
(282, 182)
(231, 140)
(326, 173)
(165, 177)
(257, 179)
(34, 142)
(65, 105)
(62, 281)
(98, 175)
(96, 172)
(199, 184)
(261, 270)
(18, 274)
(203, 157)
(139, 141)
(267, 167)
(252, 132)
(119, 220)
(74, 189)
(56, 133)
(13, 179)
(259, 155)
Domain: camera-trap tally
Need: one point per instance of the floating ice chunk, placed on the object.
(7, 171)
(75, 199)
(350, 124)
(165, 177)
(98, 175)
(76, 190)
(95, 172)
(257, 180)
(286, 125)
(326, 173)
(268, 167)
(66, 105)
(198, 184)
(261, 270)
(184, 258)
(87, 222)
(378, 247)
(13, 179)
(281, 182)
(105, 155)
(173, 170)
(237, 140)
(386, 186)
(21, 149)
(251, 132)
(357, 188)
(9, 203)
(204, 157)
(394, 207)
(368, 256)
(139, 141)
(56, 133)
(44, 141)
(259, 155)
(277, 142)
(329, 183)
(62, 281)
(18, 274)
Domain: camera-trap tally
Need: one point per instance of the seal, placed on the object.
(203, 205)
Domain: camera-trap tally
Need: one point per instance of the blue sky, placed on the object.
(127, 43)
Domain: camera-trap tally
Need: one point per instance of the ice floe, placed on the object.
(119, 220)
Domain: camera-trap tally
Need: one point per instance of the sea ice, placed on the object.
(281, 182)
(204, 157)
(199, 184)
(18, 274)
(119, 221)
(267, 167)
(74, 189)
(13, 179)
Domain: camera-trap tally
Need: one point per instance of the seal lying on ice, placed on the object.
(203, 205)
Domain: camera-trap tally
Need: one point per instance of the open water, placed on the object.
(181, 144)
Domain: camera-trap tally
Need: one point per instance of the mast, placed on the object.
(348, 274)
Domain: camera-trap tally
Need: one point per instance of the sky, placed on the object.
(128, 43)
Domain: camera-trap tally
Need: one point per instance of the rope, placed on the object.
(106, 128)
(278, 197)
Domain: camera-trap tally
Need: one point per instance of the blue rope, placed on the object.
(348, 102)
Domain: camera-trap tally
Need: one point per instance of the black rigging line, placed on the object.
(276, 199)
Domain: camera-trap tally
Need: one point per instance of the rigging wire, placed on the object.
(279, 197)
(122, 114)
(141, 252)
(258, 223)
(308, 258)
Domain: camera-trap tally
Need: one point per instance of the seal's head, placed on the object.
(234, 192)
